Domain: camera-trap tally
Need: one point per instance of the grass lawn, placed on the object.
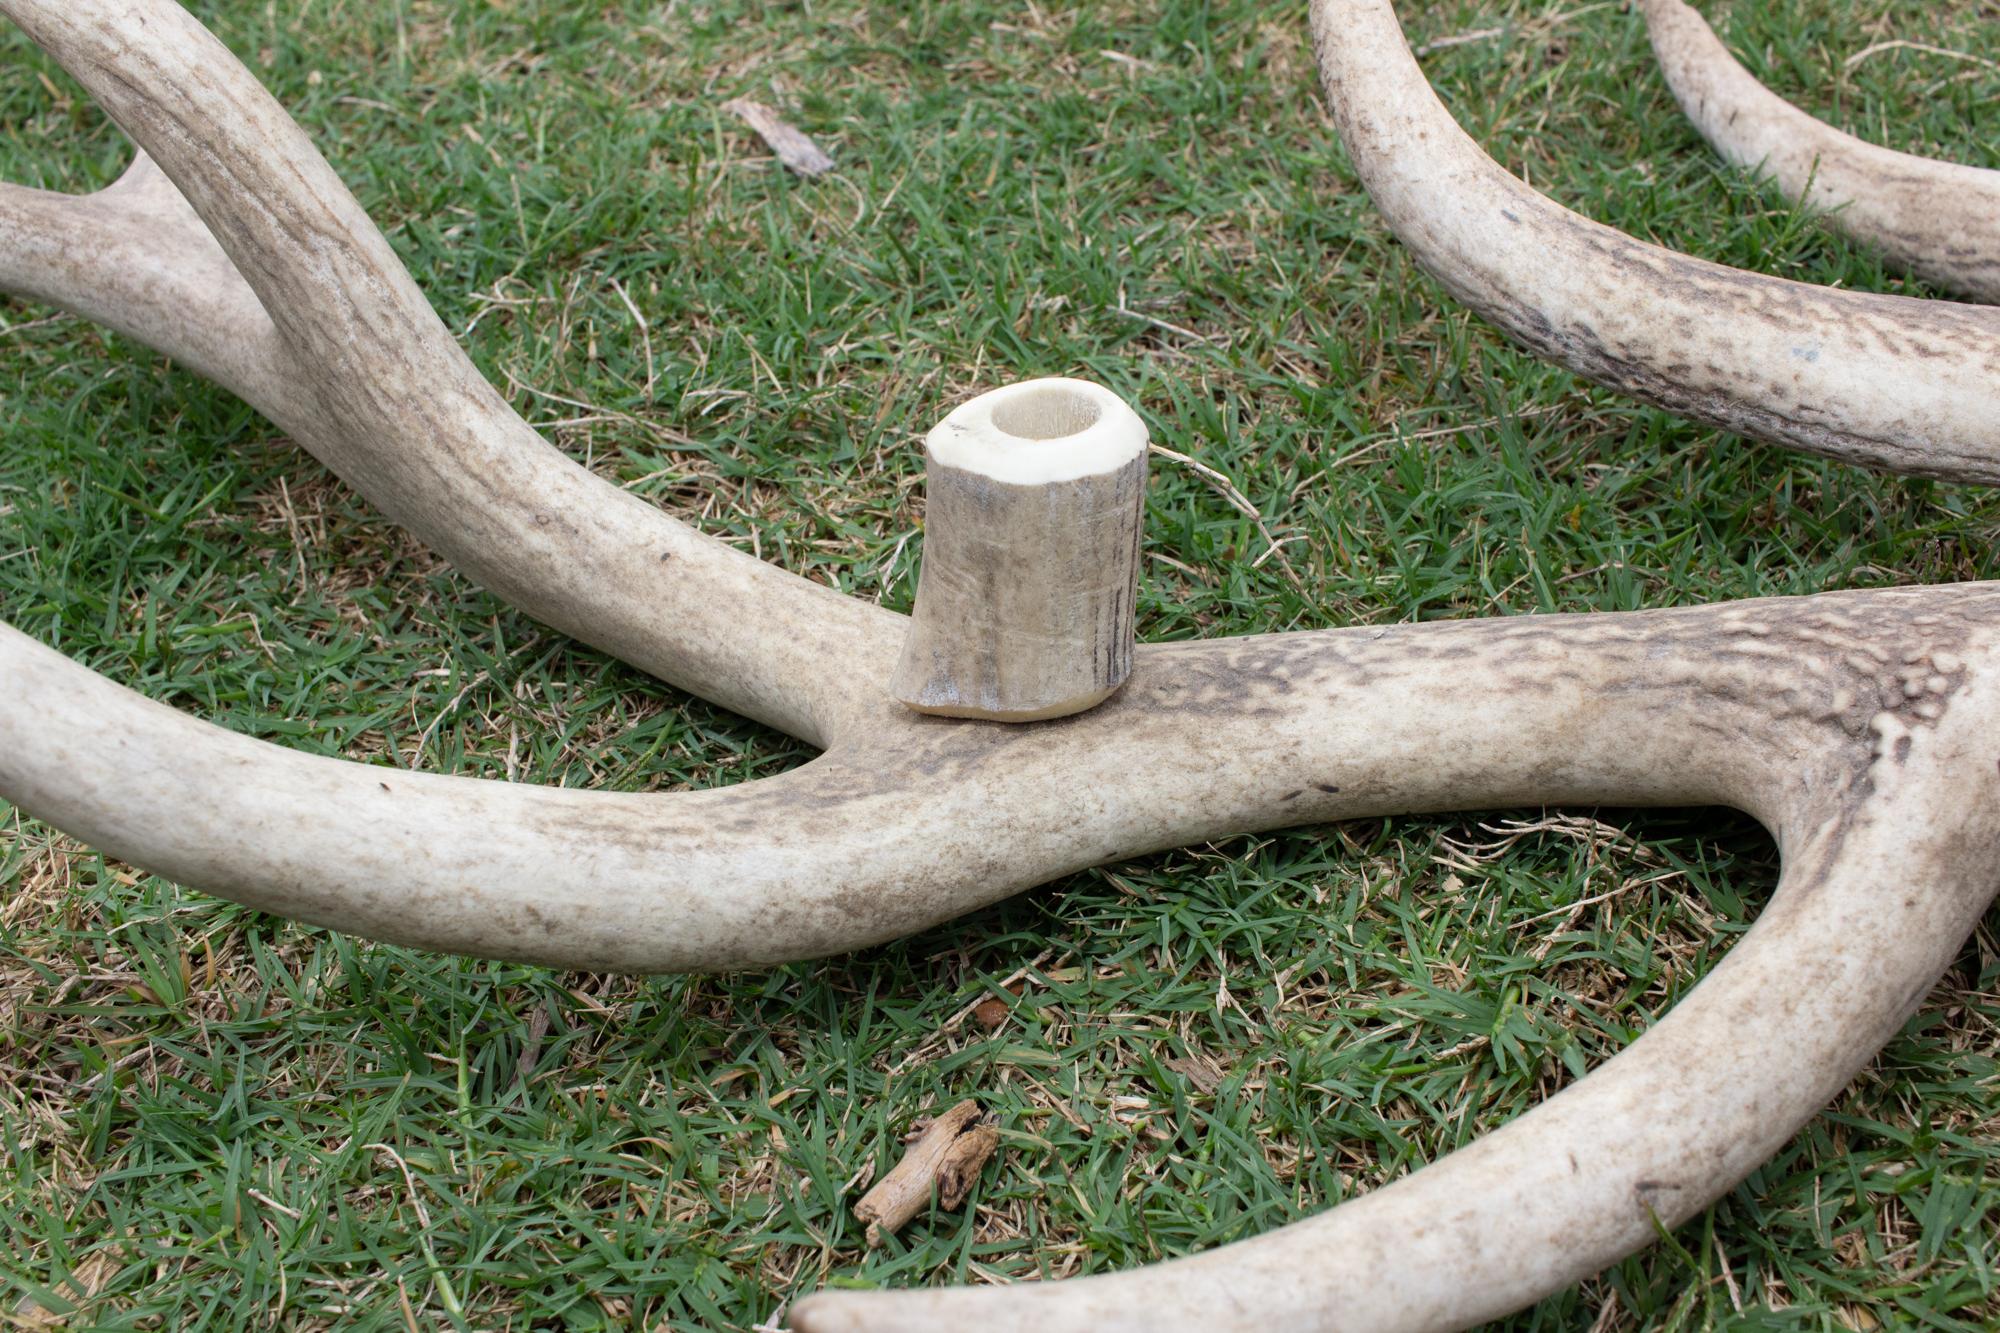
(217, 1120)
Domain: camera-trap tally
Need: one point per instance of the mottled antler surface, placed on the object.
(1939, 220)
(326, 333)
(1886, 381)
(1858, 727)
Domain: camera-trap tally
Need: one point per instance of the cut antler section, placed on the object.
(1887, 381)
(1939, 220)
(1035, 502)
(364, 375)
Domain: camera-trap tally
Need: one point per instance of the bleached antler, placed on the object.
(1869, 906)
(347, 356)
(1885, 381)
(1859, 727)
(1940, 220)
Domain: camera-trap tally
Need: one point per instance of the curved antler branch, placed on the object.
(374, 385)
(938, 817)
(1885, 381)
(1939, 220)
(1875, 899)
(134, 257)
(1878, 892)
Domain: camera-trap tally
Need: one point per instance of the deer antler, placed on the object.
(1886, 381)
(151, 270)
(348, 357)
(1939, 220)
(1856, 726)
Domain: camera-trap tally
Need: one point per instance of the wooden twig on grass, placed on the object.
(947, 1156)
(790, 144)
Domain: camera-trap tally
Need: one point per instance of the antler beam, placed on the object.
(1875, 898)
(1885, 381)
(1939, 220)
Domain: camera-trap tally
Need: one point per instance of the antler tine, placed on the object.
(1857, 726)
(1885, 381)
(134, 257)
(1939, 220)
(384, 395)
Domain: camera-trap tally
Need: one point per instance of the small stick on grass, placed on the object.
(947, 1156)
(787, 141)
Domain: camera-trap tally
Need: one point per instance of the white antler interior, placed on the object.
(1859, 727)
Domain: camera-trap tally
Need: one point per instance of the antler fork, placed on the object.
(1857, 726)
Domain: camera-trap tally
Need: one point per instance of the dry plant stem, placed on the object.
(1859, 727)
(943, 1163)
(1939, 220)
(370, 380)
(1035, 501)
(1887, 381)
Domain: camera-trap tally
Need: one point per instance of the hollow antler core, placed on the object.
(1031, 554)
